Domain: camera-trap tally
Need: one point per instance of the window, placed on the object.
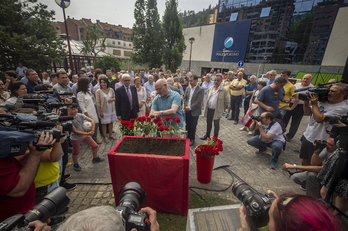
(113, 42)
(234, 17)
(116, 52)
(127, 53)
(119, 43)
(265, 12)
(130, 45)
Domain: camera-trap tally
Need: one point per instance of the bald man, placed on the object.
(166, 103)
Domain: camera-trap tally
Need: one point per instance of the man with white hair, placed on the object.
(127, 106)
(103, 218)
(271, 77)
(149, 85)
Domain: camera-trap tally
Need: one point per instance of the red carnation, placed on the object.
(148, 119)
(130, 126)
(125, 122)
(177, 120)
(147, 113)
(168, 119)
(159, 123)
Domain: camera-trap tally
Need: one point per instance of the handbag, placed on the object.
(246, 121)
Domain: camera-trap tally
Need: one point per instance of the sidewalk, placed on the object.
(240, 157)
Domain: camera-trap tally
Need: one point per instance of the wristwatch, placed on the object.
(161, 113)
(295, 166)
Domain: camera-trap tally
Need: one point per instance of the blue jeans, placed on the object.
(276, 146)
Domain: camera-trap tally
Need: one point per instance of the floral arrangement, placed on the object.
(148, 126)
(210, 148)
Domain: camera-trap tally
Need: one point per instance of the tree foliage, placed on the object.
(107, 62)
(190, 18)
(90, 43)
(174, 44)
(153, 35)
(26, 35)
(147, 34)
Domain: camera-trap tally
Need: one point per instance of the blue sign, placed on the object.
(240, 63)
(230, 41)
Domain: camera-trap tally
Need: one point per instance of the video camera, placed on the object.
(257, 204)
(257, 118)
(52, 204)
(131, 197)
(45, 101)
(321, 91)
(17, 130)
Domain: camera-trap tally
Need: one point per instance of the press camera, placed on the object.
(131, 197)
(257, 204)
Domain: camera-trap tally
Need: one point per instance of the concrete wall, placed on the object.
(337, 48)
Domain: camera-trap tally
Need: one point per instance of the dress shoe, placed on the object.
(204, 137)
(235, 122)
(192, 142)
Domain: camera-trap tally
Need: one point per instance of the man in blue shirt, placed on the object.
(249, 90)
(149, 86)
(166, 103)
(33, 80)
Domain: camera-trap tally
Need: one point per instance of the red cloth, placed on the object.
(164, 178)
(9, 178)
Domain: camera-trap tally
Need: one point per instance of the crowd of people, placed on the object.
(267, 103)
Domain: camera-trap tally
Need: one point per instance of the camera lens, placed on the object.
(132, 196)
(243, 191)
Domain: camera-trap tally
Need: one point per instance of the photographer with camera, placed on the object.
(318, 110)
(292, 212)
(17, 193)
(307, 178)
(271, 135)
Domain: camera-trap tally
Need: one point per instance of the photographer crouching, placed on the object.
(271, 135)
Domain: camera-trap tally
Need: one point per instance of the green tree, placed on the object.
(153, 35)
(107, 62)
(90, 43)
(174, 39)
(26, 35)
(147, 34)
(138, 33)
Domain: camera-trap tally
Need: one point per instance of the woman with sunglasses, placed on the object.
(294, 212)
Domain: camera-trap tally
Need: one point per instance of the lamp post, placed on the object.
(64, 4)
(191, 40)
(223, 59)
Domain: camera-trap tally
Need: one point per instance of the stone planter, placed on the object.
(164, 178)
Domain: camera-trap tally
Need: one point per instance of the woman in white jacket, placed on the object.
(87, 104)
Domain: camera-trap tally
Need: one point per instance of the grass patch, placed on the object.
(176, 222)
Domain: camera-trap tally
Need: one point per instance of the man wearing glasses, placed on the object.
(166, 103)
(127, 106)
(271, 135)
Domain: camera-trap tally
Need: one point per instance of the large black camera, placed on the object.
(321, 92)
(52, 204)
(336, 119)
(320, 144)
(131, 197)
(257, 118)
(257, 204)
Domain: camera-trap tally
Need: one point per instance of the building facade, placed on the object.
(284, 31)
(117, 38)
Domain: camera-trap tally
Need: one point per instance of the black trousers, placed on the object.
(235, 104)
(296, 116)
(65, 158)
(191, 125)
(210, 116)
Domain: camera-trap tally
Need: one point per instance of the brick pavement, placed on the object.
(240, 157)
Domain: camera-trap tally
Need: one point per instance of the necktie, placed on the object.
(129, 98)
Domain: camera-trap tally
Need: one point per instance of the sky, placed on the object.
(117, 12)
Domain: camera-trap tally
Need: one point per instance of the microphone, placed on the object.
(301, 89)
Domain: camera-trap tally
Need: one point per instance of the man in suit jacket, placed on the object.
(193, 103)
(127, 106)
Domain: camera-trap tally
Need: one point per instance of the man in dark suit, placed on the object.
(193, 103)
(127, 106)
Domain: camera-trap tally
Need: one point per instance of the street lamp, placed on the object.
(65, 4)
(191, 40)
